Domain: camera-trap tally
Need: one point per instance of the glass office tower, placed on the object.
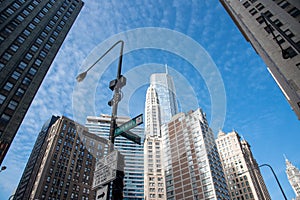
(134, 154)
(31, 33)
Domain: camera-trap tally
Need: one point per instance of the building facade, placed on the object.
(134, 154)
(160, 106)
(31, 33)
(272, 28)
(241, 170)
(293, 174)
(66, 163)
(192, 165)
(28, 177)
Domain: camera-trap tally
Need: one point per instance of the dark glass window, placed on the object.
(260, 6)
(283, 4)
(278, 23)
(32, 71)
(260, 20)
(246, 4)
(28, 56)
(5, 118)
(22, 65)
(253, 11)
(26, 81)
(20, 39)
(2, 98)
(12, 105)
(8, 86)
(38, 62)
(20, 92)
(14, 47)
(16, 75)
(6, 56)
(294, 12)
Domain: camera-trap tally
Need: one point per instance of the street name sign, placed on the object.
(131, 136)
(129, 125)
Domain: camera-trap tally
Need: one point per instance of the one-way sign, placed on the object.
(102, 193)
(129, 125)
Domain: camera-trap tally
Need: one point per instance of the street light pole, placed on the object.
(115, 85)
(275, 178)
(273, 175)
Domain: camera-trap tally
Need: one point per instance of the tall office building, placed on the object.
(242, 173)
(154, 179)
(191, 161)
(134, 154)
(293, 174)
(165, 89)
(160, 106)
(31, 33)
(66, 154)
(28, 177)
(272, 28)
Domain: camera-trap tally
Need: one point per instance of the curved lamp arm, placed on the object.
(82, 75)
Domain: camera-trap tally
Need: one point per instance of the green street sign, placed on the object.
(129, 125)
(131, 136)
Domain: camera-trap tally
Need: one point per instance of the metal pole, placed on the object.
(115, 100)
(275, 178)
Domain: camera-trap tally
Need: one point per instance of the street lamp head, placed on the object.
(81, 76)
(3, 168)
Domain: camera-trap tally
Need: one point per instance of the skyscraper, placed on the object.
(33, 164)
(165, 89)
(293, 174)
(160, 106)
(191, 161)
(242, 173)
(31, 33)
(272, 28)
(65, 155)
(134, 154)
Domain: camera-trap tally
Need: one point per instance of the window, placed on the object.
(28, 56)
(288, 33)
(278, 23)
(5, 118)
(31, 26)
(294, 12)
(25, 12)
(2, 98)
(32, 71)
(26, 32)
(246, 4)
(20, 39)
(20, 18)
(260, 6)
(20, 92)
(43, 54)
(279, 39)
(6, 56)
(283, 4)
(14, 47)
(34, 48)
(36, 20)
(16, 75)
(38, 62)
(22, 65)
(9, 11)
(268, 14)
(291, 52)
(8, 86)
(26, 81)
(260, 19)
(12, 105)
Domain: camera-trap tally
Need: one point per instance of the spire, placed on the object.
(166, 66)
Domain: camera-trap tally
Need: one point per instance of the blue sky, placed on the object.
(213, 67)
